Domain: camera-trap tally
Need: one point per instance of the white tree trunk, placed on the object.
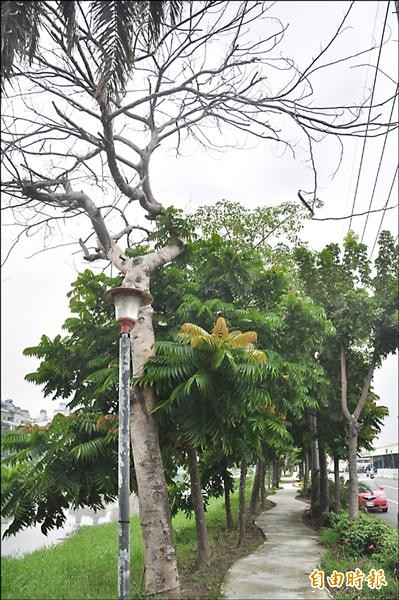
(156, 524)
(159, 551)
(352, 463)
(354, 427)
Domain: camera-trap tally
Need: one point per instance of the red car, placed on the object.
(372, 496)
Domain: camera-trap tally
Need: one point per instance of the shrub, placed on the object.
(363, 536)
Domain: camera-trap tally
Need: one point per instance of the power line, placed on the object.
(364, 92)
(379, 167)
(369, 113)
(385, 208)
(383, 214)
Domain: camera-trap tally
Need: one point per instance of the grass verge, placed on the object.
(84, 566)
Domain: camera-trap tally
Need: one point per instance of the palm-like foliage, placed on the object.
(70, 463)
(210, 384)
(221, 340)
(20, 24)
(113, 27)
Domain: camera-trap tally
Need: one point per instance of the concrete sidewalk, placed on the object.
(280, 568)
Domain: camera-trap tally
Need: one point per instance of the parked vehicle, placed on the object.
(372, 496)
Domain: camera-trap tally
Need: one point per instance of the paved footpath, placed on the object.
(280, 568)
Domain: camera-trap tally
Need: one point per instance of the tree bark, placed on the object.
(161, 572)
(227, 503)
(255, 488)
(241, 503)
(315, 470)
(352, 462)
(354, 426)
(262, 485)
(156, 525)
(269, 472)
(324, 500)
(276, 473)
(337, 486)
(301, 470)
(306, 473)
(198, 504)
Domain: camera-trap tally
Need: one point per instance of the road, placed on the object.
(391, 492)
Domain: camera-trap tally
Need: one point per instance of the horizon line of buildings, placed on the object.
(13, 416)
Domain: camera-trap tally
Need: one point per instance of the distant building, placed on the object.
(42, 419)
(13, 416)
(386, 457)
(62, 409)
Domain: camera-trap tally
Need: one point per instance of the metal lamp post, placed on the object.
(127, 302)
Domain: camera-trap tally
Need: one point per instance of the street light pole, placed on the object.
(127, 302)
(124, 468)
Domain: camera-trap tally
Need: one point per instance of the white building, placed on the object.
(42, 419)
(386, 457)
(62, 409)
(13, 416)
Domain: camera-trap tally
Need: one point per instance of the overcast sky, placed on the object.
(34, 290)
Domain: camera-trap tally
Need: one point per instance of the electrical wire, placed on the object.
(364, 93)
(366, 212)
(369, 113)
(379, 166)
(383, 214)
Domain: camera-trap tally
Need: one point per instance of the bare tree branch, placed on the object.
(181, 89)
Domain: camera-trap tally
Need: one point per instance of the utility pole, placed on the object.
(124, 468)
(127, 302)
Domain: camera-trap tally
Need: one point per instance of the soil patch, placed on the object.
(202, 582)
(313, 522)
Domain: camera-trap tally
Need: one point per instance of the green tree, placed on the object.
(70, 463)
(270, 230)
(364, 310)
(207, 384)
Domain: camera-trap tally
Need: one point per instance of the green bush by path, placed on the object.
(365, 543)
(84, 566)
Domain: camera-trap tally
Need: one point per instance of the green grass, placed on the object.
(84, 566)
(334, 560)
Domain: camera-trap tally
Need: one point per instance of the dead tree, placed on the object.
(73, 150)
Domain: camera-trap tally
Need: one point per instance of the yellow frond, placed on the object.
(243, 340)
(191, 330)
(220, 329)
(196, 341)
(234, 334)
(198, 337)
